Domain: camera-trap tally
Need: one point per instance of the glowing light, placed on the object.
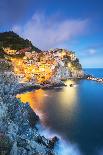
(34, 98)
(41, 72)
(69, 65)
(68, 98)
(38, 67)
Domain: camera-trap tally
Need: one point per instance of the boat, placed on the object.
(73, 85)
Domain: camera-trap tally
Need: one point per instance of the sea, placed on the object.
(74, 113)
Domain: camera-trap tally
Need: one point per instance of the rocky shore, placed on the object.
(93, 78)
(18, 132)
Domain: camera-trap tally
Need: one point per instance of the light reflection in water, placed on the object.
(68, 96)
(35, 98)
(68, 102)
(64, 100)
(57, 109)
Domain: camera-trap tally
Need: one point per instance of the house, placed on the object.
(9, 51)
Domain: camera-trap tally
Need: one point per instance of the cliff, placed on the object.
(18, 131)
(15, 42)
(32, 64)
(20, 61)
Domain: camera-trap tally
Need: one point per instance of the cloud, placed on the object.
(89, 52)
(92, 56)
(48, 32)
(13, 11)
(92, 51)
(92, 62)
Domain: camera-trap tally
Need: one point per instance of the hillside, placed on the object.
(51, 66)
(14, 41)
(32, 64)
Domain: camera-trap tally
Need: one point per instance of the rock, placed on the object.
(14, 150)
(12, 130)
(3, 110)
(22, 151)
(52, 142)
(19, 135)
(54, 139)
(21, 142)
(32, 117)
(50, 152)
(5, 144)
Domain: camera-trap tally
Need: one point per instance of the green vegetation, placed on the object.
(2, 55)
(76, 65)
(14, 41)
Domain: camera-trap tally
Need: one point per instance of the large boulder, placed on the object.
(52, 142)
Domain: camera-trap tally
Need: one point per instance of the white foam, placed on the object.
(62, 147)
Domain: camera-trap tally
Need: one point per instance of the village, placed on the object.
(39, 67)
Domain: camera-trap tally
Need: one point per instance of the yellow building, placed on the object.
(9, 51)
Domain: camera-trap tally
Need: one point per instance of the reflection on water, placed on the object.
(56, 108)
(35, 98)
(39, 99)
(75, 113)
(68, 96)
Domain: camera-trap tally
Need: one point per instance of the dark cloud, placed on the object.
(14, 11)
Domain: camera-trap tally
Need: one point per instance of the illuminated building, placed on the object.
(9, 51)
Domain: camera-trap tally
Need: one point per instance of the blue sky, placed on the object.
(72, 24)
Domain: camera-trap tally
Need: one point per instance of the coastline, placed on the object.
(18, 131)
(18, 121)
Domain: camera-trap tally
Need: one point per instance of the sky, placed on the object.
(75, 25)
